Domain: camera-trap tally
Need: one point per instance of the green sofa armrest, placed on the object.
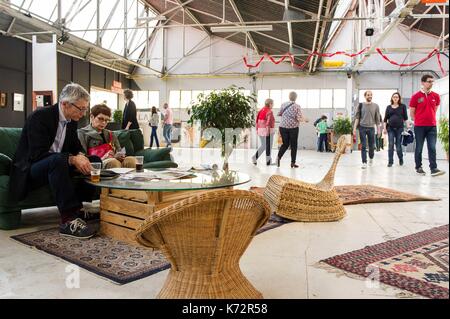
(155, 155)
(5, 164)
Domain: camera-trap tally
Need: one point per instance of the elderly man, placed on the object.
(49, 153)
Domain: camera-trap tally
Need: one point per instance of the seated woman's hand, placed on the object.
(110, 154)
(119, 156)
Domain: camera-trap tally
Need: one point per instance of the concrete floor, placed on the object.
(281, 263)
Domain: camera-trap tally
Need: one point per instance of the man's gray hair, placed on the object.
(73, 92)
(293, 96)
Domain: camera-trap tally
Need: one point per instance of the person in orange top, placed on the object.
(265, 128)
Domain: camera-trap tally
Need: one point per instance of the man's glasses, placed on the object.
(79, 108)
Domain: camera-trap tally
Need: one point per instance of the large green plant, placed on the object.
(443, 132)
(224, 110)
(117, 116)
(342, 126)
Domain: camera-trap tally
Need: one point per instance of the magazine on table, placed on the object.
(154, 176)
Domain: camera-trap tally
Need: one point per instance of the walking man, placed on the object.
(423, 107)
(366, 119)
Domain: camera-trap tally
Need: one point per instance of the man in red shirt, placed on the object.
(423, 106)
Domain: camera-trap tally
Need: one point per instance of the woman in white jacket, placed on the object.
(154, 122)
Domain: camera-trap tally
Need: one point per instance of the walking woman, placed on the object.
(154, 122)
(291, 116)
(394, 121)
(265, 128)
(129, 121)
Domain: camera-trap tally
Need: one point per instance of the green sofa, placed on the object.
(10, 211)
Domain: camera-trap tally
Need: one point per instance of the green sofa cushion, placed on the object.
(160, 164)
(125, 141)
(9, 139)
(5, 164)
(155, 155)
(138, 140)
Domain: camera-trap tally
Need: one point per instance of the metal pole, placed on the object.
(125, 32)
(99, 40)
(147, 62)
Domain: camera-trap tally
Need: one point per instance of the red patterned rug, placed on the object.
(360, 194)
(417, 263)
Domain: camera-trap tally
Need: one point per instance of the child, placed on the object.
(322, 128)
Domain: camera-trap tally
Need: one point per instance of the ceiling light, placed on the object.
(252, 28)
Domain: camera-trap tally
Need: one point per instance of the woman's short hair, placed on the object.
(128, 94)
(100, 109)
(268, 102)
(293, 96)
(399, 98)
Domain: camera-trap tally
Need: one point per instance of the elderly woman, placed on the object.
(97, 140)
(291, 117)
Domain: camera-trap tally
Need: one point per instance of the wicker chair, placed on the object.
(204, 238)
(305, 202)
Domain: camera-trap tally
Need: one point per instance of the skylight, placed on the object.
(341, 10)
(81, 15)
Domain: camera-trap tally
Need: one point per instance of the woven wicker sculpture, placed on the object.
(305, 202)
(204, 238)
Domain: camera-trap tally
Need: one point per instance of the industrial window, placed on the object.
(308, 99)
(101, 96)
(146, 99)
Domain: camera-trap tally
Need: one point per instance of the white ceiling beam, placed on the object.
(316, 34)
(403, 13)
(309, 13)
(417, 20)
(289, 27)
(238, 14)
(191, 15)
(322, 34)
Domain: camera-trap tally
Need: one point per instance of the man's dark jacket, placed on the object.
(38, 135)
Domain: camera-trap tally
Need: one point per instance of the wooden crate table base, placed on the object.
(123, 211)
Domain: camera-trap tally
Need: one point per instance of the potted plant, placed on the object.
(343, 126)
(117, 121)
(443, 133)
(222, 116)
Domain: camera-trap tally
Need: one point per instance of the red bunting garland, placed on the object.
(351, 55)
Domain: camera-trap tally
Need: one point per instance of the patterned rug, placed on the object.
(417, 263)
(114, 260)
(360, 194)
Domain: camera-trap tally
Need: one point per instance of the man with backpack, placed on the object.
(366, 119)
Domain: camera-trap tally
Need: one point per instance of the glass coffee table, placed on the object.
(126, 203)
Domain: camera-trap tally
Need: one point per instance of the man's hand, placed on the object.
(354, 132)
(384, 131)
(81, 163)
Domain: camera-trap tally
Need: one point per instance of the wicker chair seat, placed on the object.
(307, 202)
(204, 238)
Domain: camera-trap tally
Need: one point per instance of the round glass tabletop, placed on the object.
(174, 180)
